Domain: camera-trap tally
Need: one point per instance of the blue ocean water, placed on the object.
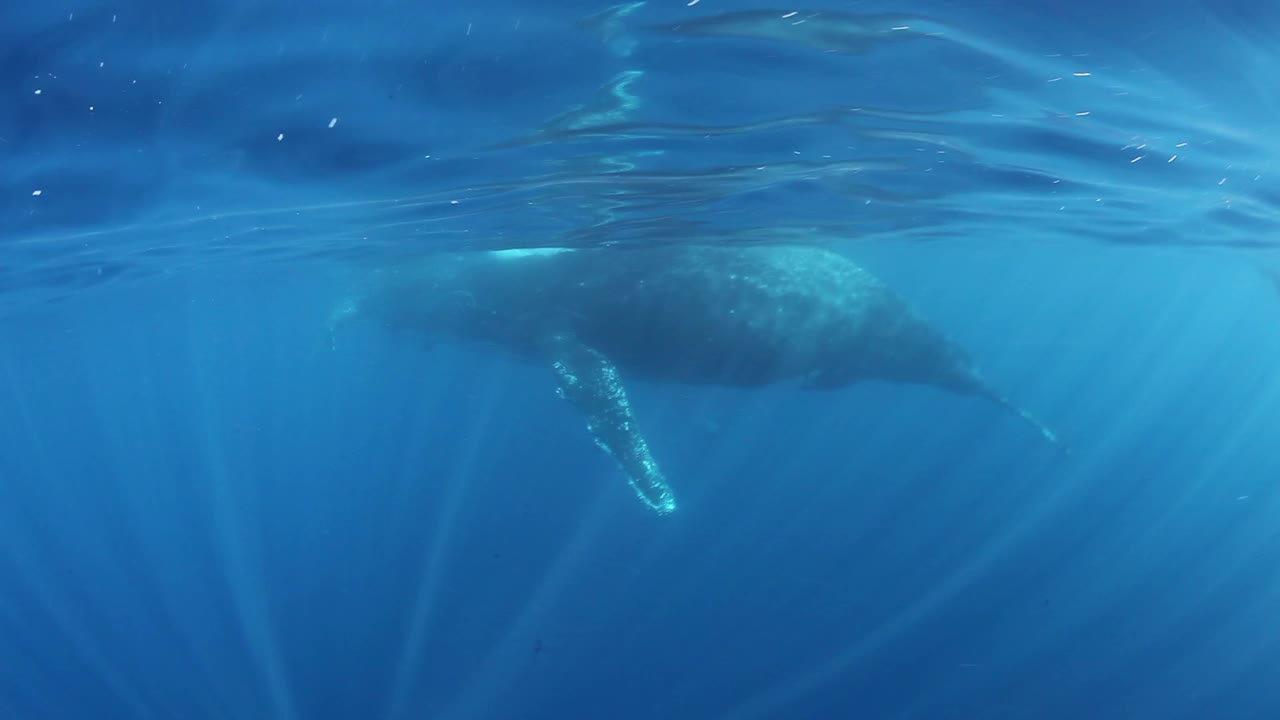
(214, 505)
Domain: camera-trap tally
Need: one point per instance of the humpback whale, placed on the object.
(700, 314)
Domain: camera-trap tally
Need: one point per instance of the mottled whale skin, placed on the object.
(700, 314)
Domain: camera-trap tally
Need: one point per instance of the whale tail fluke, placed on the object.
(1045, 431)
(956, 373)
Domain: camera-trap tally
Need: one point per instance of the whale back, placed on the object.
(737, 315)
(699, 314)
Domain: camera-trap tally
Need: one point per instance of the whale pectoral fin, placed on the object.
(586, 378)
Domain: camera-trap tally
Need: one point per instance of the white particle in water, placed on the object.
(691, 3)
(279, 137)
(39, 92)
(1082, 74)
(453, 202)
(37, 193)
(791, 14)
(332, 122)
(1171, 159)
(1082, 113)
(101, 63)
(90, 108)
(1181, 144)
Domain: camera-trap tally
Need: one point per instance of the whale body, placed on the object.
(742, 316)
